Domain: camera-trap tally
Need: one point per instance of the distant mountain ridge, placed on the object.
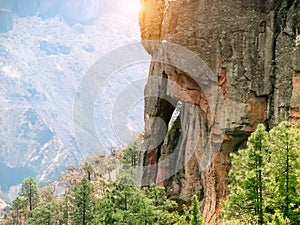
(42, 61)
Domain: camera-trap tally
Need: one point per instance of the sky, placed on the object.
(72, 11)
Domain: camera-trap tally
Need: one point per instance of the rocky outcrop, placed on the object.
(252, 48)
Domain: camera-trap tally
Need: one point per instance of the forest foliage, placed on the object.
(88, 196)
(265, 178)
(264, 189)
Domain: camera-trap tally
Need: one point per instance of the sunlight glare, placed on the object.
(132, 6)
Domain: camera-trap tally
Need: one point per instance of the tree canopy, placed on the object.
(265, 178)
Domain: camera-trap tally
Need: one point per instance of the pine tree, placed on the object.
(42, 215)
(195, 212)
(247, 179)
(48, 214)
(130, 154)
(30, 193)
(17, 210)
(160, 205)
(83, 203)
(265, 184)
(285, 164)
(125, 204)
(88, 169)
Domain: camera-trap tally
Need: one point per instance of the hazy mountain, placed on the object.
(46, 47)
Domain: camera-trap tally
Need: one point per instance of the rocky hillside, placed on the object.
(252, 50)
(46, 47)
(3, 205)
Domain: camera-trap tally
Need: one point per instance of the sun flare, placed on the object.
(132, 6)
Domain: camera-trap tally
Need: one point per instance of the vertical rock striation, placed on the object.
(253, 49)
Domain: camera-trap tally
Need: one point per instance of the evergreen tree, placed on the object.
(161, 207)
(130, 154)
(48, 214)
(30, 193)
(284, 168)
(265, 184)
(83, 202)
(44, 214)
(88, 169)
(195, 212)
(181, 219)
(125, 204)
(245, 201)
(17, 211)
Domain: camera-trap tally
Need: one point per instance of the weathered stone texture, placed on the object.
(253, 48)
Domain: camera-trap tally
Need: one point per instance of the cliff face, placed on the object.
(253, 49)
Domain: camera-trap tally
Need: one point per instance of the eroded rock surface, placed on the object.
(253, 49)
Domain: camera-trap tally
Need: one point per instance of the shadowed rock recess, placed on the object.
(253, 48)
